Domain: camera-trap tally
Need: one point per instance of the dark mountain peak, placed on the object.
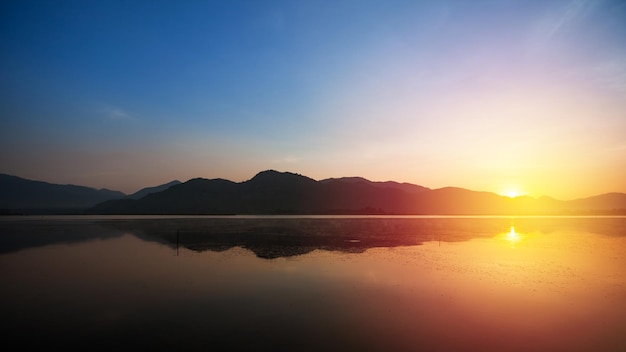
(353, 179)
(272, 173)
(149, 190)
(277, 177)
(197, 179)
(204, 182)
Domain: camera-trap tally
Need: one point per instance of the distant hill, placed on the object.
(613, 201)
(273, 192)
(145, 191)
(19, 195)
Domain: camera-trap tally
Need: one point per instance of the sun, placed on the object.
(511, 192)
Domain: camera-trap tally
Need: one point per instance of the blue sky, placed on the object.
(486, 95)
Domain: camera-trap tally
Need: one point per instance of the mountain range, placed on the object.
(273, 192)
(23, 196)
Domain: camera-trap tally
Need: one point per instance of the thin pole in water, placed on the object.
(177, 236)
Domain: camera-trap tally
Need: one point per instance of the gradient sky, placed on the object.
(484, 95)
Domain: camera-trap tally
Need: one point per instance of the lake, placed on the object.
(340, 283)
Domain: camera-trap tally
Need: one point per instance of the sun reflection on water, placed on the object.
(512, 237)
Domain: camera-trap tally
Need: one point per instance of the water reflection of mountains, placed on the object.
(285, 237)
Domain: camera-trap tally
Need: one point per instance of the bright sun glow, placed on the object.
(511, 192)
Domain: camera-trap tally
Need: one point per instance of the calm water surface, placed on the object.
(314, 283)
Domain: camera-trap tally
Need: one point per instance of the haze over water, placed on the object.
(315, 283)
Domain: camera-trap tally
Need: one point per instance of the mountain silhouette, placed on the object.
(273, 192)
(407, 187)
(145, 191)
(19, 195)
(284, 193)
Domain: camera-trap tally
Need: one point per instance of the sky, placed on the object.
(508, 96)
